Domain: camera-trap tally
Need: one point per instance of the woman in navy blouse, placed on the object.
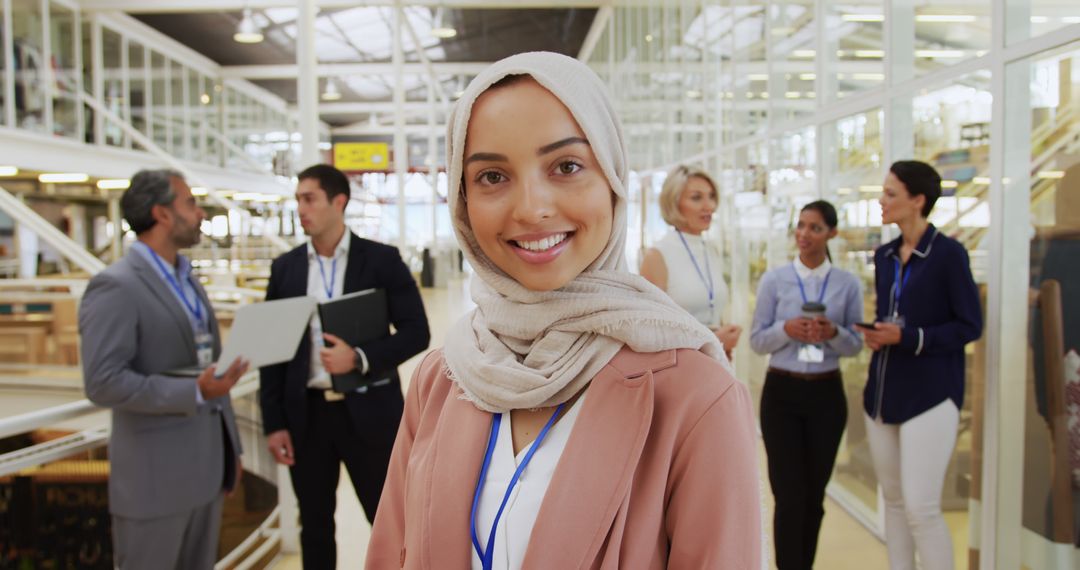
(803, 409)
(927, 310)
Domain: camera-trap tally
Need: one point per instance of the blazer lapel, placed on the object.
(354, 269)
(595, 471)
(165, 296)
(461, 441)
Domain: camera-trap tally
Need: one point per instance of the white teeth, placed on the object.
(542, 244)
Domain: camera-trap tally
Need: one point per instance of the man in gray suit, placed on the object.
(174, 448)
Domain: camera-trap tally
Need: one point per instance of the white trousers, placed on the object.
(910, 460)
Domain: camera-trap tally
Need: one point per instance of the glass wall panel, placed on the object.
(854, 168)
(30, 65)
(159, 109)
(1051, 511)
(951, 132)
(64, 40)
(178, 110)
(1033, 18)
(853, 29)
(748, 112)
(791, 53)
(949, 32)
(138, 95)
(112, 62)
(4, 98)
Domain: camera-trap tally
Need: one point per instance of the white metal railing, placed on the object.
(243, 556)
(49, 233)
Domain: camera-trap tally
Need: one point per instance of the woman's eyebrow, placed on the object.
(559, 144)
(486, 157)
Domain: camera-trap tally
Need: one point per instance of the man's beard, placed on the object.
(184, 236)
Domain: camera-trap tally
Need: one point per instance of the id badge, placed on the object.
(811, 353)
(204, 349)
(897, 320)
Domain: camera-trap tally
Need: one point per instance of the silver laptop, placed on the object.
(264, 333)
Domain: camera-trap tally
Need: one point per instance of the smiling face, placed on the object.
(538, 203)
(697, 204)
(812, 234)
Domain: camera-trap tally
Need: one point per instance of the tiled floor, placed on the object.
(844, 544)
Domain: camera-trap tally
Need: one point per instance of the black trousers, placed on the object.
(801, 424)
(330, 440)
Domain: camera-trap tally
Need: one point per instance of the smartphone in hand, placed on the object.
(865, 325)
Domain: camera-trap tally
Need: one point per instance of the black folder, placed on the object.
(356, 318)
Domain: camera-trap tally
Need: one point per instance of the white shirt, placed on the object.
(685, 285)
(335, 282)
(519, 516)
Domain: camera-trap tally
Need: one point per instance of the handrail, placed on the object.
(53, 450)
(263, 531)
(49, 233)
(23, 423)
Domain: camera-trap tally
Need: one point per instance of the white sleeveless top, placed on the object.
(685, 285)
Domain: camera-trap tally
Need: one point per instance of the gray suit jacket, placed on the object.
(167, 454)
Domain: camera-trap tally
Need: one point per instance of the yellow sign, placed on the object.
(362, 156)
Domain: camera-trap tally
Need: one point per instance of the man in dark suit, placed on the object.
(308, 426)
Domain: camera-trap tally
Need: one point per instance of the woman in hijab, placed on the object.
(577, 418)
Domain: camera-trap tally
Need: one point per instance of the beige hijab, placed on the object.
(527, 349)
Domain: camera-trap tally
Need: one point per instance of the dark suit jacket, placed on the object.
(375, 412)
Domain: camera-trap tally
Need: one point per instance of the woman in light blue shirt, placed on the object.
(803, 409)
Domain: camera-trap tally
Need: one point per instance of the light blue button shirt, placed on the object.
(182, 273)
(779, 300)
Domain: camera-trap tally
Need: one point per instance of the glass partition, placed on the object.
(30, 65)
(1051, 488)
(113, 83)
(138, 101)
(64, 37)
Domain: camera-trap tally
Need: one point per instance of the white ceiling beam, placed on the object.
(596, 30)
(175, 6)
(288, 71)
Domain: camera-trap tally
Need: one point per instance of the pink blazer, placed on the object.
(660, 471)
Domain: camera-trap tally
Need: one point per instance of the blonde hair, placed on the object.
(672, 190)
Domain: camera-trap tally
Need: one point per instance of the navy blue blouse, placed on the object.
(939, 302)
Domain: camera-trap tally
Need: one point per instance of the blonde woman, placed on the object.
(684, 263)
(553, 430)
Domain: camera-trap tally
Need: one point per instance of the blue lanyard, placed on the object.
(707, 283)
(196, 309)
(328, 287)
(802, 288)
(487, 557)
(898, 285)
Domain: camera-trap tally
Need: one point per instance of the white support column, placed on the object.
(125, 83)
(401, 147)
(1006, 305)
(307, 86)
(116, 246)
(80, 111)
(432, 162)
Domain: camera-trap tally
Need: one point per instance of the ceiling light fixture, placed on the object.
(863, 17)
(331, 92)
(248, 32)
(439, 27)
(199, 191)
(63, 177)
(113, 184)
(945, 18)
(8, 171)
(804, 53)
